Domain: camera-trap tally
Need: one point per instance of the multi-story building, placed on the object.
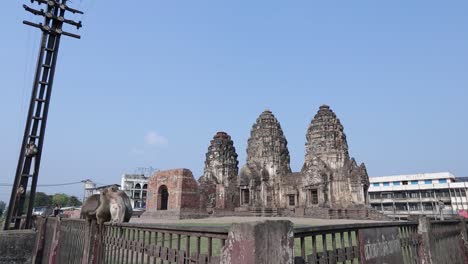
(135, 185)
(89, 188)
(433, 194)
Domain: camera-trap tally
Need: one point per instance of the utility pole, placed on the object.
(33, 140)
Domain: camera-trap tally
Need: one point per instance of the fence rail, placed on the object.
(446, 242)
(75, 241)
(341, 243)
(131, 243)
(328, 246)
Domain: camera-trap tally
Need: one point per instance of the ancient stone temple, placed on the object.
(267, 161)
(329, 177)
(219, 184)
(330, 183)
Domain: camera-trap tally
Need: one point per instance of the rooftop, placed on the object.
(134, 176)
(409, 177)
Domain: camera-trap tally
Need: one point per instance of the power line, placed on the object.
(45, 185)
(103, 184)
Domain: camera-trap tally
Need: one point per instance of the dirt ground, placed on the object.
(238, 219)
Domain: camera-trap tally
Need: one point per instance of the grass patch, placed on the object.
(201, 245)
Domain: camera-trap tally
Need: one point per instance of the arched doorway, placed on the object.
(163, 197)
(143, 195)
(245, 196)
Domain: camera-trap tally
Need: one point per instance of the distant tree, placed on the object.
(61, 199)
(74, 201)
(42, 199)
(2, 207)
(3, 216)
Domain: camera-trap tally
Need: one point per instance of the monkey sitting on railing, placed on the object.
(123, 202)
(111, 204)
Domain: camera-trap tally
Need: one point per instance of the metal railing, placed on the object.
(446, 242)
(340, 243)
(138, 243)
(75, 241)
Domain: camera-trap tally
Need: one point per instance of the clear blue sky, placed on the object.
(151, 82)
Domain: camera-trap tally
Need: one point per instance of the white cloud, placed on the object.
(155, 140)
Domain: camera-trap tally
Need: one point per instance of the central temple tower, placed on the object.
(332, 178)
(267, 160)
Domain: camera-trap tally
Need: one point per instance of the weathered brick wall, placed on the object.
(190, 194)
(227, 198)
(182, 188)
(207, 194)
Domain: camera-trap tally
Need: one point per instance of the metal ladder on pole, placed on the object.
(33, 139)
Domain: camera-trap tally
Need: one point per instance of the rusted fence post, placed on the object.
(464, 238)
(87, 245)
(99, 249)
(39, 247)
(424, 250)
(55, 243)
(267, 242)
(90, 252)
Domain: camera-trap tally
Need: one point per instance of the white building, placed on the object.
(89, 188)
(416, 194)
(135, 185)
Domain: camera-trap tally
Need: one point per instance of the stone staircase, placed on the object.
(323, 213)
(356, 213)
(265, 212)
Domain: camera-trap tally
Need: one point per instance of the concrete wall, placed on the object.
(17, 246)
(267, 242)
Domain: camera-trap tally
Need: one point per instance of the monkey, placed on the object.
(31, 149)
(103, 213)
(97, 208)
(121, 198)
(111, 204)
(89, 207)
(117, 209)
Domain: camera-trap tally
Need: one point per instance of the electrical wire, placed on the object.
(45, 185)
(52, 185)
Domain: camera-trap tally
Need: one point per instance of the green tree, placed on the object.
(42, 199)
(2, 207)
(2, 218)
(61, 199)
(74, 201)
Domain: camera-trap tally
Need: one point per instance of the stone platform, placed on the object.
(175, 214)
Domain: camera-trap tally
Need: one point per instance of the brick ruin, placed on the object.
(328, 180)
(173, 194)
